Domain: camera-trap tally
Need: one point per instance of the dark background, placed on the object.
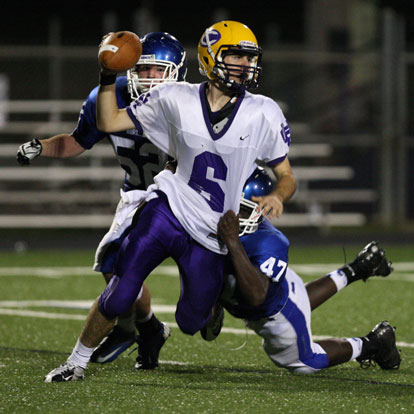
(83, 24)
(28, 23)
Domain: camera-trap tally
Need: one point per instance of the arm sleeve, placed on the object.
(276, 136)
(269, 254)
(86, 133)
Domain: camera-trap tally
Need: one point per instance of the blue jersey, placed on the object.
(267, 249)
(140, 159)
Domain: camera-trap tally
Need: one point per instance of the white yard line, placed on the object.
(69, 304)
(173, 362)
(67, 271)
(47, 271)
(324, 268)
(402, 270)
(43, 315)
(158, 309)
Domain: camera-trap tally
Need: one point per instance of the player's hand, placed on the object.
(29, 151)
(171, 165)
(271, 204)
(105, 71)
(228, 227)
(103, 38)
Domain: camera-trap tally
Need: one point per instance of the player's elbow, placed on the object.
(113, 121)
(254, 288)
(294, 184)
(256, 299)
(256, 295)
(104, 124)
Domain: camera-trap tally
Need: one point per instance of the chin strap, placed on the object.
(246, 339)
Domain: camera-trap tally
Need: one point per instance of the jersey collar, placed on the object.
(205, 108)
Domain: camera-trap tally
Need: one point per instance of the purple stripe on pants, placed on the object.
(156, 236)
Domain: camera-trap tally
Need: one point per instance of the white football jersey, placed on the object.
(212, 167)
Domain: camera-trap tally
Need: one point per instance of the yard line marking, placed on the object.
(46, 271)
(400, 277)
(404, 266)
(70, 304)
(324, 268)
(400, 270)
(44, 315)
(64, 271)
(173, 362)
(235, 331)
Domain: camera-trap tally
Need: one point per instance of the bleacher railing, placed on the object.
(336, 153)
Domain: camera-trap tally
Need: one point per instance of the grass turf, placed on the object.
(195, 376)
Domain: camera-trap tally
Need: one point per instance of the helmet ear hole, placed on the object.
(206, 59)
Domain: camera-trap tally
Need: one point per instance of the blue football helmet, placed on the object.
(257, 185)
(161, 49)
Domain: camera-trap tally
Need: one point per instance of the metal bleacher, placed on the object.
(55, 194)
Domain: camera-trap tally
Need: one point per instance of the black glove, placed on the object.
(28, 151)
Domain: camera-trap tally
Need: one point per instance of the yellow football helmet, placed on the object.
(225, 38)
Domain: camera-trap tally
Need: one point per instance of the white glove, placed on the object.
(28, 151)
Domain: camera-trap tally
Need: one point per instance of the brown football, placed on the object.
(120, 51)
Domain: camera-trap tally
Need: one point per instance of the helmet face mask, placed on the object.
(167, 54)
(140, 85)
(254, 217)
(224, 39)
(257, 185)
(246, 76)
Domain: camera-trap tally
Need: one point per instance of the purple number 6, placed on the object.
(209, 189)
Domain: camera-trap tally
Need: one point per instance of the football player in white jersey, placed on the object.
(272, 299)
(163, 59)
(218, 132)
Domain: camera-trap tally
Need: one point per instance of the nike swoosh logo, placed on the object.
(243, 138)
(106, 357)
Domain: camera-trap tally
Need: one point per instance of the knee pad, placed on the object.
(290, 359)
(189, 324)
(115, 300)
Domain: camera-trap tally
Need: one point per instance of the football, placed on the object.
(119, 51)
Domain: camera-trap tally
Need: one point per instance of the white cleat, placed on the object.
(66, 372)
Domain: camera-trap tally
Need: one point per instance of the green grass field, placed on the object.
(195, 376)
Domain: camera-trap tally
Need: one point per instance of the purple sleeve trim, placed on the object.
(276, 161)
(135, 121)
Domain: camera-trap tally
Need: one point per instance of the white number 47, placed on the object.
(267, 268)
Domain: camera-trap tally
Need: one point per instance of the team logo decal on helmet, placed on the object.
(210, 37)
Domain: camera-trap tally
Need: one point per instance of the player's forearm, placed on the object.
(106, 107)
(251, 283)
(61, 146)
(109, 118)
(286, 181)
(285, 187)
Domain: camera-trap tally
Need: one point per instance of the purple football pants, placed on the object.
(156, 236)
